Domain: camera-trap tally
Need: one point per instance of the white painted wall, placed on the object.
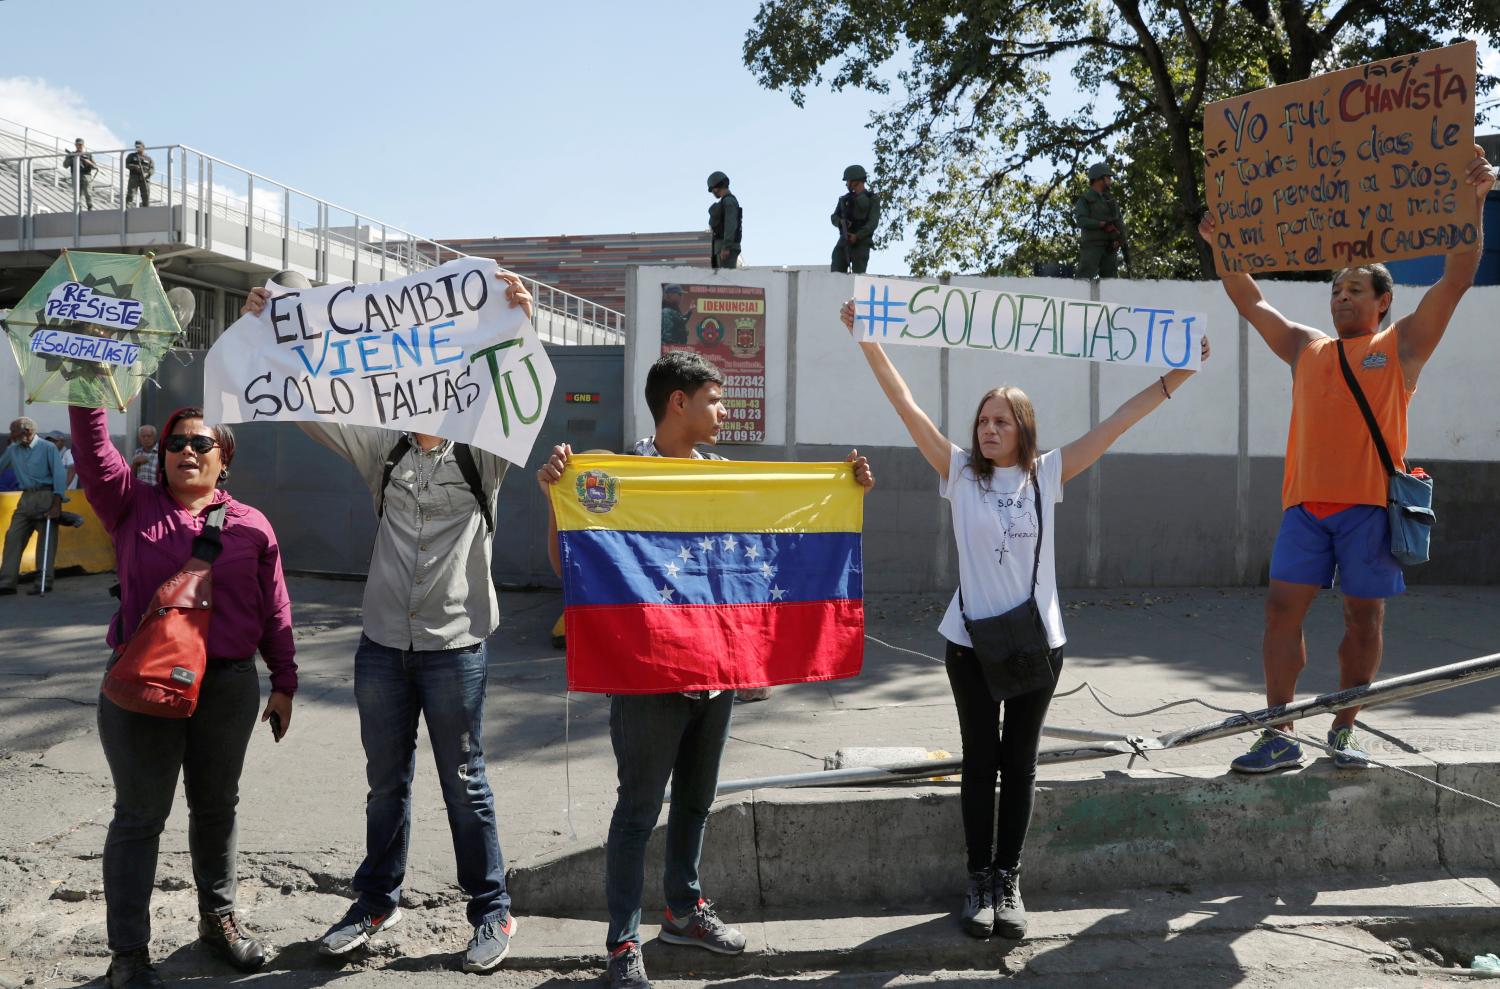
(1453, 416)
(644, 346)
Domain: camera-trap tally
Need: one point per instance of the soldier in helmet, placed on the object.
(1101, 228)
(856, 216)
(674, 321)
(724, 220)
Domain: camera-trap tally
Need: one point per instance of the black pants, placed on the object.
(992, 751)
(145, 754)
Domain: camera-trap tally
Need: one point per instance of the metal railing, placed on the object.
(216, 205)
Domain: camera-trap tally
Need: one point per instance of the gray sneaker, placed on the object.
(978, 916)
(626, 970)
(1347, 753)
(356, 928)
(1010, 912)
(704, 929)
(490, 944)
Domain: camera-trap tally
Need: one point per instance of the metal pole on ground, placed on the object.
(1398, 688)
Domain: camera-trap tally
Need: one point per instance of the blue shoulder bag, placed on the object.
(1408, 498)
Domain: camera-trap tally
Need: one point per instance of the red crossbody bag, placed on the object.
(160, 669)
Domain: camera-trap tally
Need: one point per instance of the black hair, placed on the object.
(1380, 279)
(223, 435)
(674, 371)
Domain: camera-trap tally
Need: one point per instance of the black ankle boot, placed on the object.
(227, 935)
(132, 970)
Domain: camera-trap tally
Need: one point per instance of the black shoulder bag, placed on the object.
(1408, 498)
(1012, 648)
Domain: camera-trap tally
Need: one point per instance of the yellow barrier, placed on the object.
(88, 546)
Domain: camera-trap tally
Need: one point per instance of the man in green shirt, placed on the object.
(1101, 228)
(724, 221)
(856, 215)
(674, 321)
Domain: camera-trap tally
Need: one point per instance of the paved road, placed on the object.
(551, 766)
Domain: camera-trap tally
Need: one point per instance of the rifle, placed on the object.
(844, 216)
(1125, 254)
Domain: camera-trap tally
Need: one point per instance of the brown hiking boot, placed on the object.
(227, 935)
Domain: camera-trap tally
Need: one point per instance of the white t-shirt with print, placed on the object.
(996, 531)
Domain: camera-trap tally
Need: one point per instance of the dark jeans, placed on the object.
(144, 755)
(656, 736)
(992, 751)
(446, 686)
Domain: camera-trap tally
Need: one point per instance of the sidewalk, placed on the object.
(301, 823)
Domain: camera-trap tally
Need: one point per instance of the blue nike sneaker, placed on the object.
(1272, 751)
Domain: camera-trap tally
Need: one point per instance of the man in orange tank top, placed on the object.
(1334, 487)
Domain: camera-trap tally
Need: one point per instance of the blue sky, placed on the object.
(458, 118)
(462, 118)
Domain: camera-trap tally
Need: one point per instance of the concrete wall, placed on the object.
(1191, 495)
(893, 848)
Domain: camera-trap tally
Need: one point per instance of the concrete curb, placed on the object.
(878, 849)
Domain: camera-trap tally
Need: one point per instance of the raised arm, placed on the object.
(1079, 455)
(107, 481)
(929, 439)
(1285, 338)
(1419, 333)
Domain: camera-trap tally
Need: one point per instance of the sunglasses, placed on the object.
(200, 444)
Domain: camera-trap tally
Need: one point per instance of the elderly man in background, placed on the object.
(144, 461)
(38, 468)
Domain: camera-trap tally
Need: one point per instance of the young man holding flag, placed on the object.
(662, 735)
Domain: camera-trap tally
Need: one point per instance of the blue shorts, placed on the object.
(1357, 541)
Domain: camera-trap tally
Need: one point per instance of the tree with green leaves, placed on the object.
(980, 159)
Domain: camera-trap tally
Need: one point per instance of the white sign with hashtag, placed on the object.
(929, 314)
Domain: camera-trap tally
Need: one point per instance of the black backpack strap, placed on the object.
(464, 457)
(1364, 408)
(1036, 563)
(392, 459)
(206, 544)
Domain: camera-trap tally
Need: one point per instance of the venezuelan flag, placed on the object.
(708, 574)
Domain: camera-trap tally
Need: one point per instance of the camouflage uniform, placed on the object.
(1098, 249)
(857, 213)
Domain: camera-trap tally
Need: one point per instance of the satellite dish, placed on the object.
(183, 304)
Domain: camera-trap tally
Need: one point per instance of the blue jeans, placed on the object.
(446, 686)
(656, 736)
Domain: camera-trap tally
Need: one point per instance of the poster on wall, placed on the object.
(1360, 165)
(727, 325)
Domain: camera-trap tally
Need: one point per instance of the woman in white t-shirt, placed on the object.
(993, 501)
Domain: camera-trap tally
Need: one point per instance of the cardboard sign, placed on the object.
(1364, 164)
(439, 352)
(929, 314)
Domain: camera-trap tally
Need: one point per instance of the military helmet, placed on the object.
(717, 179)
(855, 173)
(1099, 170)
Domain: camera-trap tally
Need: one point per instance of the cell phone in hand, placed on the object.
(276, 729)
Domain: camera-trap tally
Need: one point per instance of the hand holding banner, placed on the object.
(929, 314)
(439, 352)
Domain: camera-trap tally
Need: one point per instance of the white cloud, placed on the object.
(54, 110)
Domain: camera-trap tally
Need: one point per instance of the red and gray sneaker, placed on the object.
(354, 929)
(704, 929)
(626, 970)
(490, 944)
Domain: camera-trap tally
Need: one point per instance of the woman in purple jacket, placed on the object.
(153, 528)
